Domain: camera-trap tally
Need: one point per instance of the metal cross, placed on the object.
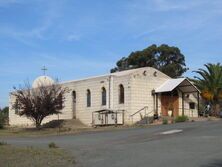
(44, 69)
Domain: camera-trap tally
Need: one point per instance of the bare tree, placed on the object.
(38, 103)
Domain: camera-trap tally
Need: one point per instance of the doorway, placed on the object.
(170, 104)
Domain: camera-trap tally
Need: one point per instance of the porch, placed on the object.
(174, 97)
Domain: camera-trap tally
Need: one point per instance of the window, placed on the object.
(88, 94)
(192, 105)
(103, 96)
(74, 97)
(121, 94)
(74, 104)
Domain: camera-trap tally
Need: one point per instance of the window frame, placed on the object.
(192, 106)
(121, 94)
(104, 98)
(88, 98)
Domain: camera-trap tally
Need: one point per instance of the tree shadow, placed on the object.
(53, 124)
(215, 163)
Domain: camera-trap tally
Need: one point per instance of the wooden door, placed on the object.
(168, 102)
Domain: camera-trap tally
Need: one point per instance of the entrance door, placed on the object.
(74, 104)
(170, 104)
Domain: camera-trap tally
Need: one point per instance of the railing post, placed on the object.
(145, 112)
(182, 103)
(144, 109)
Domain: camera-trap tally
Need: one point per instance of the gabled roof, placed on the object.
(183, 84)
(117, 74)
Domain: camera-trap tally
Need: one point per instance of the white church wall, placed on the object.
(143, 82)
(188, 98)
(95, 86)
(125, 81)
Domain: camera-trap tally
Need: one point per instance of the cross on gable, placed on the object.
(44, 69)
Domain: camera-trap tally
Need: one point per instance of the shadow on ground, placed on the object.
(53, 124)
(215, 163)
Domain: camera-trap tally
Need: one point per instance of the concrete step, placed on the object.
(145, 120)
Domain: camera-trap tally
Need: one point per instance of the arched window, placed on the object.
(88, 101)
(103, 96)
(74, 104)
(74, 96)
(121, 94)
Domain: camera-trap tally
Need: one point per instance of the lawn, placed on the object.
(11, 156)
(33, 132)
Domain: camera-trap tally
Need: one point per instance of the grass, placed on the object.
(32, 132)
(181, 119)
(165, 121)
(2, 143)
(52, 145)
(11, 156)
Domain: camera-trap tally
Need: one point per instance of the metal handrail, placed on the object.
(146, 107)
(145, 115)
(152, 111)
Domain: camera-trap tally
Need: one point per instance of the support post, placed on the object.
(198, 103)
(182, 103)
(156, 103)
(93, 119)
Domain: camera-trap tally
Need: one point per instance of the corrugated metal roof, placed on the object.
(182, 83)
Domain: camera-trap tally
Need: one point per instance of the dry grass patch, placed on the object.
(25, 157)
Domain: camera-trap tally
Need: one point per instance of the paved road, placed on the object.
(199, 144)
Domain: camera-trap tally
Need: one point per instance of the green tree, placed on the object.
(209, 82)
(167, 59)
(3, 117)
(5, 111)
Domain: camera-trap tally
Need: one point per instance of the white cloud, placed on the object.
(145, 17)
(51, 12)
(73, 37)
(72, 61)
(169, 5)
(150, 31)
(4, 3)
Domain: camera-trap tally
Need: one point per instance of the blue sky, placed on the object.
(81, 38)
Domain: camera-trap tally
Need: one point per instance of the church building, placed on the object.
(125, 97)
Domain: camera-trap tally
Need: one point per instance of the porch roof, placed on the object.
(183, 84)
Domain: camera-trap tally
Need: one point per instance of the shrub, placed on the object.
(52, 145)
(181, 119)
(1, 126)
(3, 117)
(2, 121)
(165, 121)
(2, 143)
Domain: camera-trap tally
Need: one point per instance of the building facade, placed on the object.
(136, 93)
